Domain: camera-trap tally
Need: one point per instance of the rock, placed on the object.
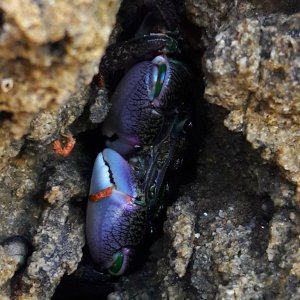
(8, 266)
(14, 252)
(240, 245)
(57, 251)
(233, 232)
(100, 108)
(214, 16)
(253, 71)
(49, 53)
(18, 248)
(181, 225)
(56, 48)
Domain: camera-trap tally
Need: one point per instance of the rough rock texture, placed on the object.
(180, 225)
(213, 16)
(8, 266)
(232, 233)
(49, 53)
(39, 195)
(47, 50)
(243, 247)
(246, 210)
(254, 71)
(58, 249)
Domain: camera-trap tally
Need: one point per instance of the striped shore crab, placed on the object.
(145, 138)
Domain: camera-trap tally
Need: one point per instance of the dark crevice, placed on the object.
(93, 142)
(56, 49)
(1, 19)
(5, 116)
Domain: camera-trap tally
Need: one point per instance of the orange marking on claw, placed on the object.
(67, 148)
(101, 194)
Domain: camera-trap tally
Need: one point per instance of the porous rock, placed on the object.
(8, 266)
(245, 198)
(58, 249)
(242, 246)
(181, 225)
(49, 53)
(253, 71)
(47, 50)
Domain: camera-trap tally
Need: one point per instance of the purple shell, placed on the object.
(114, 223)
(137, 118)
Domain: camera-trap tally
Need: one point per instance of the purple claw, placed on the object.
(121, 172)
(114, 223)
(143, 102)
(100, 177)
(146, 107)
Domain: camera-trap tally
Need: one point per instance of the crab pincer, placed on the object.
(116, 221)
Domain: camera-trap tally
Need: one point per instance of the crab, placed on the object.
(145, 138)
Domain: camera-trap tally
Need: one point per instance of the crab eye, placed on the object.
(161, 74)
(117, 264)
(158, 76)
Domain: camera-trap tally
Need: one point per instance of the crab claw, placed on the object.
(115, 222)
(143, 103)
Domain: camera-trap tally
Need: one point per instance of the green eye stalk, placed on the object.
(160, 79)
(159, 76)
(121, 260)
(117, 264)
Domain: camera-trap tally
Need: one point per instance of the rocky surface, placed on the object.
(214, 16)
(251, 68)
(57, 251)
(49, 53)
(233, 232)
(246, 210)
(243, 246)
(47, 50)
(8, 267)
(253, 71)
